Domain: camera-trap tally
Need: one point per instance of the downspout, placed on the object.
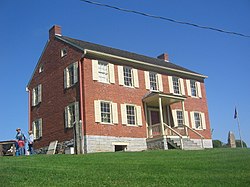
(82, 103)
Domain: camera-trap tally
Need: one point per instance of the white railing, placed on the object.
(173, 131)
(202, 137)
(154, 130)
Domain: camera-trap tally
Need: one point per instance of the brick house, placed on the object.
(106, 99)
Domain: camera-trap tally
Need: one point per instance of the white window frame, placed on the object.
(37, 128)
(128, 71)
(134, 76)
(180, 84)
(64, 52)
(98, 112)
(41, 68)
(96, 69)
(137, 112)
(197, 87)
(185, 119)
(37, 95)
(103, 72)
(71, 75)
(71, 113)
(202, 120)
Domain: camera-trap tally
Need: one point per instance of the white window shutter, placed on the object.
(65, 77)
(75, 66)
(138, 115)
(182, 86)
(160, 86)
(95, 70)
(40, 127)
(147, 81)
(76, 112)
(186, 118)
(124, 114)
(39, 93)
(203, 121)
(198, 84)
(120, 75)
(188, 87)
(192, 119)
(174, 113)
(114, 113)
(135, 78)
(34, 130)
(111, 73)
(170, 83)
(97, 111)
(66, 116)
(33, 97)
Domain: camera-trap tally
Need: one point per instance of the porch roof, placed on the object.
(152, 98)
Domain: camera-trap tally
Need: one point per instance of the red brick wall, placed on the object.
(54, 97)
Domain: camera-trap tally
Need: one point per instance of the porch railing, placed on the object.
(173, 132)
(154, 130)
(202, 137)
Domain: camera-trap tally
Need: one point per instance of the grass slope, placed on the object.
(215, 167)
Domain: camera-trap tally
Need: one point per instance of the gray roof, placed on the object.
(109, 50)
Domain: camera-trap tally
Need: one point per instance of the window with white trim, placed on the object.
(37, 128)
(71, 75)
(176, 85)
(179, 115)
(41, 68)
(153, 81)
(198, 120)
(63, 52)
(128, 76)
(105, 112)
(103, 71)
(37, 95)
(194, 88)
(71, 113)
(131, 115)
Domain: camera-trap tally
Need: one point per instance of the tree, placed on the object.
(238, 144)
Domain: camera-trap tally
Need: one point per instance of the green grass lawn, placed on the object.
(214, 167)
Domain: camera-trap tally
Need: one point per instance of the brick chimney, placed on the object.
(164, 56)
(55, 30)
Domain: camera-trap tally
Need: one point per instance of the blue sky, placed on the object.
(224, 58)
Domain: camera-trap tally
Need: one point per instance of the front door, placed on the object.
(154, 118)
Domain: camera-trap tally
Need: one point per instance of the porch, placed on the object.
(164, 129)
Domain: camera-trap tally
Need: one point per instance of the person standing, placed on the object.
(20, 138)
(30, 142)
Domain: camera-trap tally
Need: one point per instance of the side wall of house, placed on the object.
(54, 97)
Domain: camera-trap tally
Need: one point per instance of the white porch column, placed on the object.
(161, 116)
(184, 119)
(146, 115)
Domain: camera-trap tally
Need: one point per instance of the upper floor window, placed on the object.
(37, 128)
(179, 118)
(194, 88)
(63, 52)
(103, 71)
(106, 112)
(131, 117)
(71, 75)
(176, 85)
(153, 81)
(37, 95)
(198, 120)
(41, 68)
(128, 76)
(71, 114)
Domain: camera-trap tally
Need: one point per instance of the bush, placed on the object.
(217, 144)
(238, 144)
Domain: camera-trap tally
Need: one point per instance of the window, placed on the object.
(40, 69)
(131, 115)
(71, 75)
(37, 95)
(103, 73)
(176, 85)
(63, 52)
(198, 120)
(193, 88)
(153, 81)
(179, 118)
(71, 114)
(127, 74)
(37, 128)
(105, 112)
